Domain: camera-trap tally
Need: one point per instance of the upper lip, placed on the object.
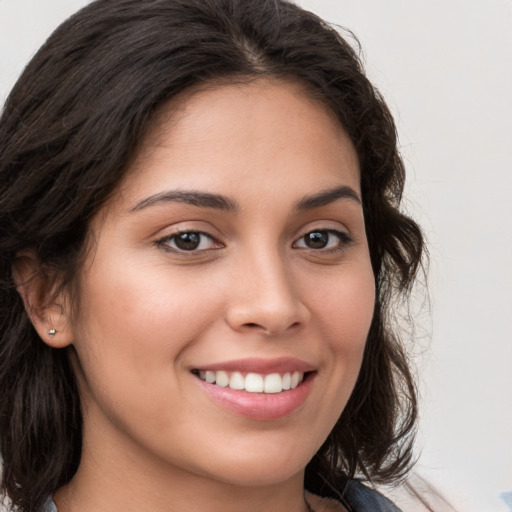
(260, 365)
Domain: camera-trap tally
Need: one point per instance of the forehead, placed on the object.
(256, 132)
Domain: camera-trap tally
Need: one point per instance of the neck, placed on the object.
(78, 497)
(110, 479)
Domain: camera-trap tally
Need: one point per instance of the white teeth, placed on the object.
(287, 381)
(296, 379)
(236, 381)
(273, 383)
(222, 379)
(253, 382)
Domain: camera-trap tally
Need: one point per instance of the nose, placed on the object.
(263, 297)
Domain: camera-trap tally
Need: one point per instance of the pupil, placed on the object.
(317, 239)
(187, 241)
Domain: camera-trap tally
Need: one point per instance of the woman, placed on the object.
(201, 238)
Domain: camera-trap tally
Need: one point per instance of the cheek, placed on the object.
(346, 309)
(135, 321)
(344, 306)
(143, 298)
(132, 331)
(342, 312)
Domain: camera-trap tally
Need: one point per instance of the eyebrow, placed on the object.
(326, 197)
(192, 197)
(224, 203)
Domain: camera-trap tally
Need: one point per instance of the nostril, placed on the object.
(268, 330)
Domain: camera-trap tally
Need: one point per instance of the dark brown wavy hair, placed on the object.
(68, 132)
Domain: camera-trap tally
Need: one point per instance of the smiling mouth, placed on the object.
(252, 382)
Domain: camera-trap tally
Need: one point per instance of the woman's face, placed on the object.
(233, 255)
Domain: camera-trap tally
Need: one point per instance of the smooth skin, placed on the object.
(281, 270)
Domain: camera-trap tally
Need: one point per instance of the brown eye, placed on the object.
(189, 241)
(323, 239)
(316, 239)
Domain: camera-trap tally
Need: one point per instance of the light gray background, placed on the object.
(445, 68)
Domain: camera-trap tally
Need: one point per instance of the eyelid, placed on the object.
(164, 241)
(344, 239)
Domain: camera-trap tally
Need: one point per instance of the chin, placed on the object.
(264, 475)
(265, 468)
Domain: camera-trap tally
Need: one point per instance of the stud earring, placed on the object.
(52, 332)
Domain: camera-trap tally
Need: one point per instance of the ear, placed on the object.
(49, 312)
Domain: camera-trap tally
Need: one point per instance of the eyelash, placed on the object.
(166, 241)
(344, 239)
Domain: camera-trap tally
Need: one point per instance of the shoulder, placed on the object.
(49, 506)
(363, 498)
(357, 497)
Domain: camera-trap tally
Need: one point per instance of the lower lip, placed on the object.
(260, 406)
